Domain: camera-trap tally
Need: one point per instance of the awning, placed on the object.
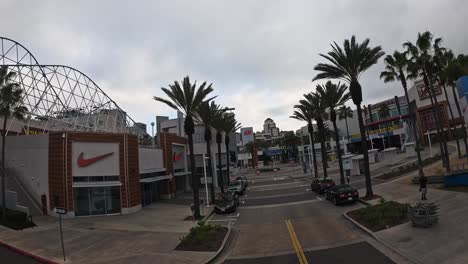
(155, 179)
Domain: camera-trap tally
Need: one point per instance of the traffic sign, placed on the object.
(60, 210)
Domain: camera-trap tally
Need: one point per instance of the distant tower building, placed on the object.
(268, 126)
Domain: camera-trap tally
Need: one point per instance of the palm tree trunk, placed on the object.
(460, 114)
(220, 169)
(347, 130)
(438, 124)
(210, 170)
(415, 129)
(369, 192)
(227, 163)
(3, 170)
(450, 127)
(322, 146)
(338, 150)
(195, 180)
(388, 136)
(312, 144)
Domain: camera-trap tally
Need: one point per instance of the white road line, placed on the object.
(235, 216)
(319, 198)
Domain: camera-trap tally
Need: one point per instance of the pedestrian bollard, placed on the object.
(192, 208)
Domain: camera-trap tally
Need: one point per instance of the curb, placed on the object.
(365, 229)
(28, 254)
(364, 202)
(221, 248)
(207, 216)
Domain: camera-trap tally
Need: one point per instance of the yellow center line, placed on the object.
(296, 244)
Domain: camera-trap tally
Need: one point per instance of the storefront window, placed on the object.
(97, 200)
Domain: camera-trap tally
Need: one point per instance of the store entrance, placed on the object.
(150, 193)
(96, 200)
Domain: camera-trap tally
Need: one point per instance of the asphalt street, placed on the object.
(281, 221)
(15, 258)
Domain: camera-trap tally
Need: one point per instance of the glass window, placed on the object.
(97, 201)
(113, 200)
(81, 201)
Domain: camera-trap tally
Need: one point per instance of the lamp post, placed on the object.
(152, 134)
(206, 181)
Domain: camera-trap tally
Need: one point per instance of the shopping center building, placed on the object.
(77, 149)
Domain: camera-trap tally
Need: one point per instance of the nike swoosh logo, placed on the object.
(82, 162)
(178, 157)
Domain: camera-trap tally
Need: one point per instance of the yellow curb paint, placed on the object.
(296, 244)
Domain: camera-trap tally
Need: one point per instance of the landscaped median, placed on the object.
(205, 237)
(381, 216)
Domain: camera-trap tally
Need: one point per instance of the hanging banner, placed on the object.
(247, 134)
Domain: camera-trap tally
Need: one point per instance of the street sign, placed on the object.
(60, 210)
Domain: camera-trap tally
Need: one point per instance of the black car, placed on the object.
(226, 203)
(342, 193)
(236, 187)
(320, 185)
(244, 180)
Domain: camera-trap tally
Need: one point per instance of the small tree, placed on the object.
(11, 105)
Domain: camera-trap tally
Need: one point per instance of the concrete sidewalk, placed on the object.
(442, 243)
(148, 236)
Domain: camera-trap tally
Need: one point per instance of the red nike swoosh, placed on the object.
(177, 157)
(82, 162)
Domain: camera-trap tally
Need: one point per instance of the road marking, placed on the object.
(296, 243)
(319, 198)
(233, 215)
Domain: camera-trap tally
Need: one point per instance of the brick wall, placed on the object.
(130, 191)
(165, 141)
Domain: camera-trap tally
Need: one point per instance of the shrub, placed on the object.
(200, 232)
(381, 216)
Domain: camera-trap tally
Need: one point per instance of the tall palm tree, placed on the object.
(384, 112)
(320, 116)
(334, 96)
(422, 64)
(11, 106)
(345, 112)
(304, 112)
(186, 98)
(206, 114)
(218, 126)
(443, 59)
(348, 63)
(456, 68)
(230, 125)
(395, 69)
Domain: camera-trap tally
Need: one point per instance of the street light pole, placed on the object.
(152, 134)
(206, 181)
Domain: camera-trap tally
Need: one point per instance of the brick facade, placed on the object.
(166, 141)
(60, 160)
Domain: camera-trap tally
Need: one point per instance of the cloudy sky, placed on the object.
(259, 55)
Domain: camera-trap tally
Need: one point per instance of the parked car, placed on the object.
(244, 180)
(320, 185)
(236, 187)
(342, 193)
(226, 203)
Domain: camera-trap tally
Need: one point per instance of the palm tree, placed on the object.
(320, 116)
(334, 96)
(304, 112)
(11, 105)
(456, 68)
(230, 125)
(251, 147)
(186, 98)
(395, 68)
(218, 126)
(348, 64)
(345, 112)
(206, 114)
(384, 112)
(422, 64)
(443, 58)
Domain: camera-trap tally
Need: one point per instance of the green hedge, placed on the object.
(381, 216)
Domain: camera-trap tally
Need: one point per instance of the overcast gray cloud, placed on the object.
(258, 54)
